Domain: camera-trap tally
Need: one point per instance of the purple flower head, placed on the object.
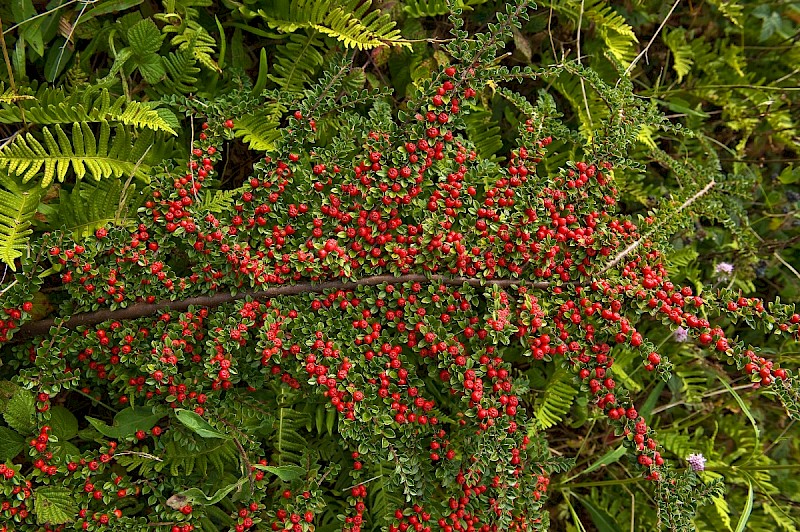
(681, 334)
(724, 269)
(697, 462)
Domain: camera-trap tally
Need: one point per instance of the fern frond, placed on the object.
(17, 208)
(723, 513)
(288, 444)
(52, 106)
(218, 201)
(483, 132)
(730, 9)
(195, 39)
(384, 495)
(682, 257)
(350, 22)
(297, 61)
(617, 34)
(552, 405)
(11, 96)
(90, 205)
(102, 155)
(181, 72)
(681, 445)
(259, 131)
(682, 55)
(197, 457)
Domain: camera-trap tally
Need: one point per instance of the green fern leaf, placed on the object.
(17, 208)
(196, 39)
(350, 22)
(181, 72)
(682, 55)
(259, 131)
(483, 132)
(559, 394)
(53, 106)
(723, 512)
(297, 61)
(100, 156)
(683, 257)
(89, 206)
(617, 34)
(10, 95)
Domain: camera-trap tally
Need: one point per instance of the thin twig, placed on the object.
(624, 253)
(37, 16)
(653, 38)
(792, 268)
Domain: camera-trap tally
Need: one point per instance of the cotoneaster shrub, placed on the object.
(343, 335)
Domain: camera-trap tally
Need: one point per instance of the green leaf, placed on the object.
(145, 41)
(198, 496)
(609, 458)
(194, 422)
(748, 507)
(285, 473)
(790, 175)
(11, 444)
(63, 423)
(109, 7)
(54, 505)
(602, 521)
(144, 38)
(127, 422)
(743, 406)
(20, 411)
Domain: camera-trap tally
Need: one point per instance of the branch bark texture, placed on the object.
(140, 310)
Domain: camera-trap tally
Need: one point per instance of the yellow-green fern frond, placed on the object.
(350, 22)
(18, 206)
(89, 206)
(682, 55)
(10, 95)
(259, 130)
(559, 394)
(101, 155)
(52, 106)
(617, 34)
(199, 43)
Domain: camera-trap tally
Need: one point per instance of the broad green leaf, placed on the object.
(20, 412)
(198, 496)
(64, 449)
(104, 8)
(285, 473)
(144, 38)
(127, 422)
(54, 505)
(11, 443)
(748, 507)
(63, 423)
(602, 521)
(609, 458)
(743, 406)
(194, 422)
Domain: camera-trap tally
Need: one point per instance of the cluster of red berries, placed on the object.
(12, 318)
